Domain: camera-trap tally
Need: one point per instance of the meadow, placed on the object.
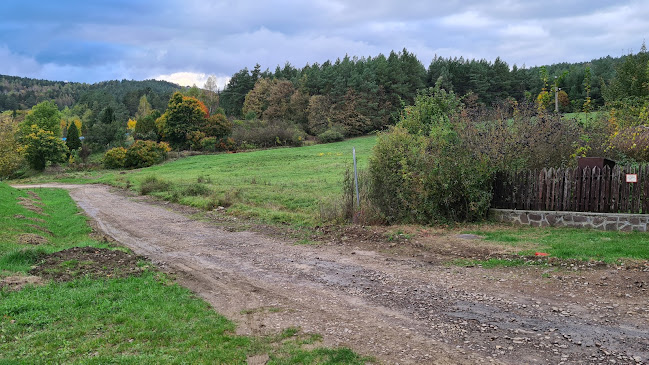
(282, 185)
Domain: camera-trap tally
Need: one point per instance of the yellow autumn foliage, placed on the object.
(65, 124)
(10, 157)
(130, 125)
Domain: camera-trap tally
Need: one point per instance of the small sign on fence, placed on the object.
(632, 178)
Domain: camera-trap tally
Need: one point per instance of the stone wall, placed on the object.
(602, 221)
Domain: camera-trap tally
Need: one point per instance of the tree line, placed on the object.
(365, 94)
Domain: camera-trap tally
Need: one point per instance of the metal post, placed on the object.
(358, 199)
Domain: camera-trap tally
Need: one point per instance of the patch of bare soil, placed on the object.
(40, 228)
(389, 293)
(30, 205)
(33, 219)
(31, 239)
(90, 262)
(14, 283)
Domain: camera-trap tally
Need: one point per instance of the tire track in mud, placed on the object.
(396, 309)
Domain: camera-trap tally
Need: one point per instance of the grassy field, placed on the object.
(114, 320)
(284, 185)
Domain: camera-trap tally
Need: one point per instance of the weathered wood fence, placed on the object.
(603, 190)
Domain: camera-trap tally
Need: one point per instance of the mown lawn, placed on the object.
(144, 319)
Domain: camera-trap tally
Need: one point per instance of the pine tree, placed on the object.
(73, 141)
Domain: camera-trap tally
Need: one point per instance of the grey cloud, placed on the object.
(105, 39)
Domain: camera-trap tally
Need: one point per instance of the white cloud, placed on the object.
(192, 78)
(525, 31)
(467, 19)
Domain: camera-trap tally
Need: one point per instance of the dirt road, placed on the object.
(400, 309)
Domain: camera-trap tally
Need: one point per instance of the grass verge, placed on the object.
(565, 243)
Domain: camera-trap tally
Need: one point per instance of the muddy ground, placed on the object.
(88, 262)
(393, 298)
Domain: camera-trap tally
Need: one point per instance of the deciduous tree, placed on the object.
(143, 109)
(10, 157)
(42, 146)
(184, 114)
(45, 116)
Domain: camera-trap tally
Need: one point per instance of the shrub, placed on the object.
(263, 134)
(362, 211)
(208, 144)
(115, 158)
(146, 153)
(226, 200)
(423, 180)
(633, 142)
(512, 136)
(226, 144)
(331, 135)
(422, 171)
(152, 184)
(194, 139)
(195, 190)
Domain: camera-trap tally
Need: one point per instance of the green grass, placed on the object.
(582, 118)
(60, 216)
(137, 320)
(284, 185)
(572, 243)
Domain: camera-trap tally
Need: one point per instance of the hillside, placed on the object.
(19, 93)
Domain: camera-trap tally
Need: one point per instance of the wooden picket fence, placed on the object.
(603, 190)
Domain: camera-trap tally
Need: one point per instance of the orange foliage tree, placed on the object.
(184, 115)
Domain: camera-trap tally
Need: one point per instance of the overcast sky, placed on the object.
(185, 40)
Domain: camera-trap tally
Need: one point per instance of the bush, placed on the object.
(513, 136)
(422, 171)
(348, 208)
(152, 184)
(226, 144)
(208, 144)
(331, 135)
(633, 142)
(115, 158)
(139, 154)
(416, 179)
(195, 190)
(10, 157)
(146, 153)
(263, 134)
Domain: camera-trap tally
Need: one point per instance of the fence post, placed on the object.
(358, 198)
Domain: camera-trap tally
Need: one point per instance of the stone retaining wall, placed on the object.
(602, 221)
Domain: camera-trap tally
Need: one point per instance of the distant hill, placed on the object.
(20, 93)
